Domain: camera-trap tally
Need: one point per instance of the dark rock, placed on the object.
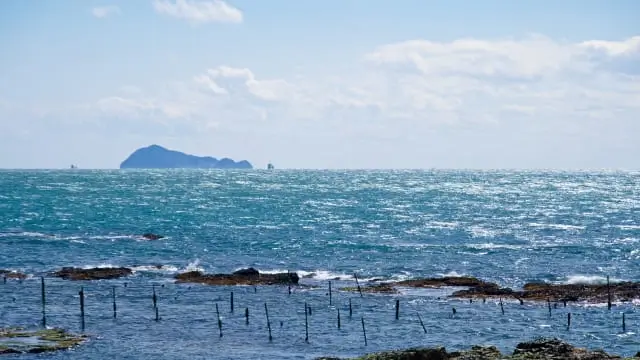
(152, 236)
(442, 282)
(158, 157)
(10, 274)
(541, 349)
(384, 288)
(71, 273)
(249, 276)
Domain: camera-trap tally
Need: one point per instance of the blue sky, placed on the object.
(322, 84)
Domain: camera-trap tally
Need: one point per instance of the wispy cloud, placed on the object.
(105, 11)
(199, 11)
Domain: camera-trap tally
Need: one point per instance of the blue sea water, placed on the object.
(510, 227)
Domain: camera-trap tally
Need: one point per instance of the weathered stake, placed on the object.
(364, 331)
(421, 323)
(113, 296)
(339, 318)
(330, 300)
(350, 309)
(246, 316)
(81, 293)
(266, 311)
(501, 306)
(231, 301)
(568, 321)
(624, 325)
(306, 324)
(44, 317)
(358, 284)
(549, 305)
(154, 297)
(397, 309)
(608, 294)
(219, 321)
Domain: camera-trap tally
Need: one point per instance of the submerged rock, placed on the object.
(71, 273)
(10, 274)
(248, 276)
(541, 349)
(152, 236)
(17, 341)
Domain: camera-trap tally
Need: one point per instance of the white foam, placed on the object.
(589, 279)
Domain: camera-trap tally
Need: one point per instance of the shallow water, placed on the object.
(508, 227)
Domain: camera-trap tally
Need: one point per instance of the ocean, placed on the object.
(509, 227)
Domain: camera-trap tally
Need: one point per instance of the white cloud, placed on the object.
(467, 103)
(105, 11)
(270, 90)
(199, 11)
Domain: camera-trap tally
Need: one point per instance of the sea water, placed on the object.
(509, 227)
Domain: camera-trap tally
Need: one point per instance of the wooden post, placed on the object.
(219, 321)
(549, 306)
(154, 297)
(568, 321)
(421, 323)
(624, 325)
(81, 293)
(4, 279)
(357, 283)
(350, 309)
(330, 299)
(231, 301)
(608, 294)
(501, 306)
(266, 311)
(246, 316)
(339, 318)
(306, 324)
(44, 316)
(397, 309)
(113, 296)
(364, 331)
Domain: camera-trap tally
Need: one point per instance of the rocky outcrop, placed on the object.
(541, 349)
(248, 276)
(10, 274)
(595, 293)
(442, 282)
(384, 288)
(71, 273)
(18, 341)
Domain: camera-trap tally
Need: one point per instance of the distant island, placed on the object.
(158, 157)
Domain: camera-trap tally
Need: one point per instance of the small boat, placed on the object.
(270, 166)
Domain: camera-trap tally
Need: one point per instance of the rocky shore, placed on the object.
(540, 349)
(477, 288)
(71, 273)
(248, 276)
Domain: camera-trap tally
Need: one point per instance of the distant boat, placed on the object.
(74, 166)
(270, 166)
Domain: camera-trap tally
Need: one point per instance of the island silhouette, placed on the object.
(158, 157)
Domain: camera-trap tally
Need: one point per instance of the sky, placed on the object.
(333, 84)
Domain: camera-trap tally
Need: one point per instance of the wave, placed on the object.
(589, 279)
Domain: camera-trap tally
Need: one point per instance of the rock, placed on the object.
(383, 288)
(35, 342)
(540, 349)
(442, 282)
(158, 157)
(152, 236)
(555, 349)
(10, 274)
(71, 273)
(248, 276)
(625, 291)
